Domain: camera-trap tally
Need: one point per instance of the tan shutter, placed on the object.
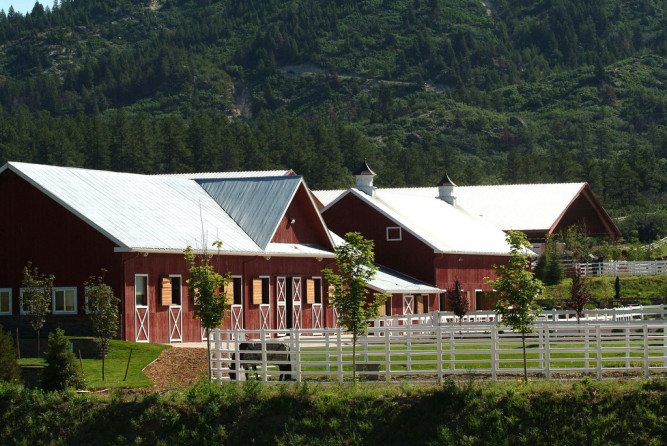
(332, 291)
(382, 310)
(166, 291)
(256, 291)
(229, 290)
(310, 291)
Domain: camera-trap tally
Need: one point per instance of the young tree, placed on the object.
(102, 307)
(459, 300)
(61, 371)
(205, 285)
(9, 366)
(549, 268)
(580, 293)
(36, 298)
(516, 288)
(354, 262)
(617, 288)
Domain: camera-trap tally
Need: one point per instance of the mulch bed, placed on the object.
(177, 367)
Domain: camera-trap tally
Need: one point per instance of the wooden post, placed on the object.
(547, 354)
(339, 341)
(127, 368)
(387, 349)
(297, 354)
(494, 349)
(598, 339)
(81, 363)
(18, 344)
(439, 347)
(646, 357)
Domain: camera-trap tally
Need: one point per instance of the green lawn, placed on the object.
(115, 365)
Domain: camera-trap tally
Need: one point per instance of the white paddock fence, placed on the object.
(619, 268)
(630, 313)
(423, 353)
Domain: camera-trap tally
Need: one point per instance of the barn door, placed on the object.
(237, 317)
(317, 315)
(175, 323)
(265, 317)
(141, 320)
(296, 302)
(408, 304)
(281, 287)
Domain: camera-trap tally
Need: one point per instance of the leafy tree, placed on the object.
(102, 307)
(516, 288)
(36, 298)
(354, 262)
(549, 268)
(204, 285)
(61, 371)
(459, 300)
(580, 293)
(9, 366)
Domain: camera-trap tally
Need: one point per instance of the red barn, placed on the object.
(72, 222)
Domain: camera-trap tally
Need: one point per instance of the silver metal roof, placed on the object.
(255, 204)
(152, 213)
(226, 175)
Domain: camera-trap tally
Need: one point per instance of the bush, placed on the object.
(61, 371)
(9, 366)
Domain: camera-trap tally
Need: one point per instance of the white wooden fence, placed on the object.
(431, 353)
(619, 268)
(629, 313)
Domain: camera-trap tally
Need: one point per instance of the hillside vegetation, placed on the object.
(526, 91)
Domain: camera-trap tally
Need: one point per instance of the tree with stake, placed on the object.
(36, 298)
(102, 307)
(354, 261)
(516, 288)
(459, 300)
(205, 285)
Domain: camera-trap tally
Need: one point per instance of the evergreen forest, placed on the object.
(502, 91)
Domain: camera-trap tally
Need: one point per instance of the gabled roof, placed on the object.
(255, 204)
(150, 213)
(520, 207)
(444, 228)
(226, 175)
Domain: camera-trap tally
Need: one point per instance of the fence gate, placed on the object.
(175, 323)
(281, 306)
(296, 302)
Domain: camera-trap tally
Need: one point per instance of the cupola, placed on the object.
(447, 190)
(365, 176)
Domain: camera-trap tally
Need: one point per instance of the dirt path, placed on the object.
(177, 367)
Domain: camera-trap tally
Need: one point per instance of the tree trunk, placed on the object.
(525, 359)
(208, 357)
(354, 359)
(39, 354)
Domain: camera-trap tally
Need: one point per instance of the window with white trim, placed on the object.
(314, 290)
(64, 300)
(21, 307)
(237, 283)
(5, 301)
(85, 296)
(141, 290)
(394, 234)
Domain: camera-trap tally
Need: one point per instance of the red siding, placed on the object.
(307, 227)
(410, 256)
(36, 228)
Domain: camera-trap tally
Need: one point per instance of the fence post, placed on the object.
(265, 365)
(409, 350)
(339, 341)
(646, 357)
(494, 348)
(387, 349)
(439, 348)
(327, 348)
(547, 353)
(598, 339)
(298, 356)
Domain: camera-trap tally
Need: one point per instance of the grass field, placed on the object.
(115, 365)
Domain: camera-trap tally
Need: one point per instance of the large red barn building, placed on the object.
(73, 222)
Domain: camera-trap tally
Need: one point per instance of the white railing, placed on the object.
(638, 312)
(430, 354)
(655, 245)
(619, 268)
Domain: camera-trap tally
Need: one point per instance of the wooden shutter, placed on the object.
(382, 310)
(310, 291)
(166, 291)
(229, 291)
(332, 291)
(256, 291)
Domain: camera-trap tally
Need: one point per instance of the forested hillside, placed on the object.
(496, 92)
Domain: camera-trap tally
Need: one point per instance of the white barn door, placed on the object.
(296, 302)
(141, 320)
(281, 307)
(408, 304)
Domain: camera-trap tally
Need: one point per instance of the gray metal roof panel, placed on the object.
(255, 204)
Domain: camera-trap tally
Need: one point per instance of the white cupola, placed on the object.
(365, 176)
(447, 190)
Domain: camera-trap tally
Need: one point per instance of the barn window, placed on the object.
(22, 308)
(385, 308)
(260, 291)
(234, 290)
(314, 290)
(141, 291)
(479, 299)
(443, 301)
(394, 234)
(170, 290)
(64, 300)
(85, 296)
(5, 301)
(421, 304)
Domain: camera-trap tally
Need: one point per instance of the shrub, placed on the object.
(9, 366)
(61, 371)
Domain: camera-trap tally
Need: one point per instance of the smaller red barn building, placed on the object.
(73, 222)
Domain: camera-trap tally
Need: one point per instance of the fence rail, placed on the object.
(431, 353)
(638, 312)
(619, 268)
